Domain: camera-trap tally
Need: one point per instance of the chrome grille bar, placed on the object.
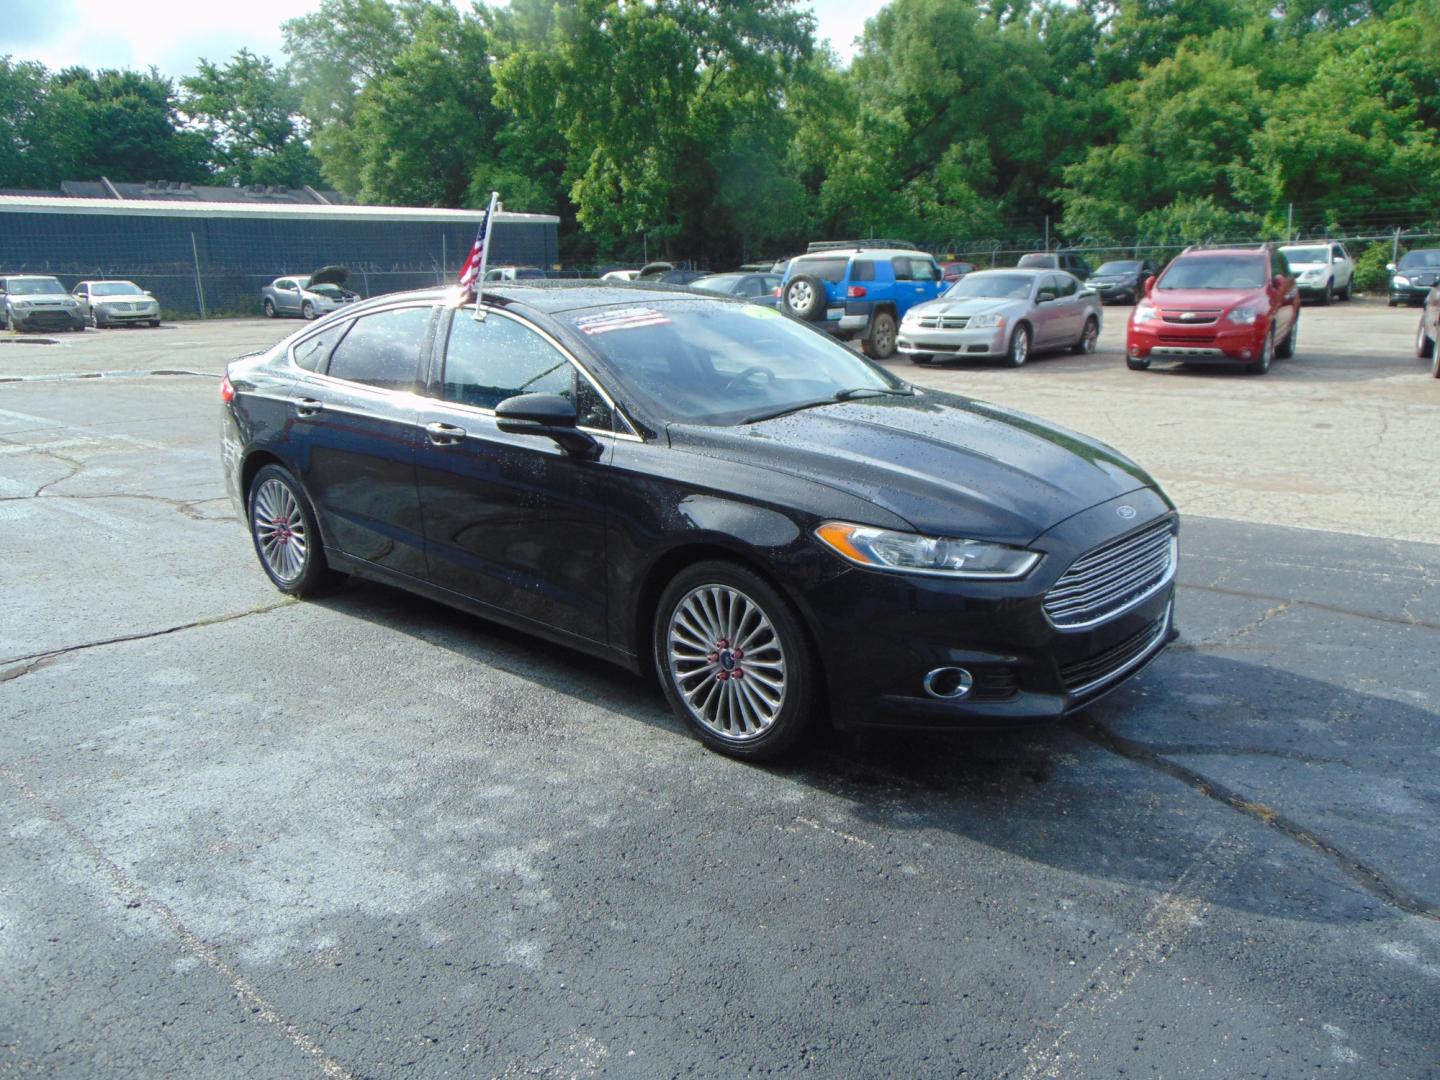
(1113, 578)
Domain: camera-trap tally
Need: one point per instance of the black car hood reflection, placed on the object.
(949, 465)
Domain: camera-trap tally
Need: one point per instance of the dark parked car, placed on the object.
(757, 288)
(1428, 333)
(38, 302)
(1415, 275)
(1121, 281)
(711, 491)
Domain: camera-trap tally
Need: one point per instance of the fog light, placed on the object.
(1244, 354)
(1134, 350)
(949, 683)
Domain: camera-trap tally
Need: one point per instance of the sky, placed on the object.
(173, 35)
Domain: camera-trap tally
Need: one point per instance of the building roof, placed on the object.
(184, 205)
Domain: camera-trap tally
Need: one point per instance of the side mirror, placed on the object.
(1044, 296)
(545, 414)
(1149, 284)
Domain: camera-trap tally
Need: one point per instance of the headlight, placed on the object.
(1242, 316)
(22, 303)
(1401, 280)
(911, 316)
(1144, 312)
(981, 322)
(910, 553)
(72, 303)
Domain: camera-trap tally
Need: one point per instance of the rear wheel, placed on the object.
(1019, 346)
(734, 660)
(1424, 343)
(286, 537)
(1088, 337)
(879, 343)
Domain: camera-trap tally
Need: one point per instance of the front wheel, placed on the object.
(1286, 350)
(879, 343)
(268, 308)
(734, 660)
(307, 310)
(1134, 363)
(1019, 346)
(1328, 294)
(286, 537)
(1267, 353)
(921, 358)
(1348, 292)
(1088, 337)
(1424, 343)
(91, 320)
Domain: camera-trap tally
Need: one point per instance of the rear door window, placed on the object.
(903, 271)
(1068, 285)
(831, 270)
(313, 353)
(382, 350)
(862, 270)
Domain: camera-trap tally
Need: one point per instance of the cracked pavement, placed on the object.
(371, 837)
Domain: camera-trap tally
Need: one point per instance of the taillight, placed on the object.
(855, 292)
(776, 293)
(227, 392)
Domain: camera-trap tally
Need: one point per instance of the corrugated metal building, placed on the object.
(208, 251)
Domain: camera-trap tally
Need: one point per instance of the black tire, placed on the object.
(155, 323)
(1435, 364)
(879, 341)
(266, 509)
(809, 300)
(1019, 350)
(1136, 364)
(1088, 336)
(1328, 294)
(1424, 343)
(268, 308)
(1286, 349)
(1392, 302)
(1267, 353)
(727, 708)
(92, 319)
(307, 311)
(921, 358)
(1348, 292)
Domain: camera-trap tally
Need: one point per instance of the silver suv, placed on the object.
(38, 302)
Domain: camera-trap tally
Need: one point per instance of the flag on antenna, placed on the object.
(470, 272)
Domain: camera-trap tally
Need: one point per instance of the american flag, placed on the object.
(471, 270)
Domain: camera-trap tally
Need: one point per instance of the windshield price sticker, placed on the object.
(622, 319)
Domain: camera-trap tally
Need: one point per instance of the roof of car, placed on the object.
(552, 295)
(884, 253)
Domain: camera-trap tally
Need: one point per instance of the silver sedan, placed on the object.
(1003, 313)
(110, 303)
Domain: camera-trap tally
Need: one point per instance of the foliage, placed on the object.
(250, 113)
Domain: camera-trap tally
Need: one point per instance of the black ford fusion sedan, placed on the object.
(778, 528)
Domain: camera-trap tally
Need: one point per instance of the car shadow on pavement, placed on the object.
(1125, 791)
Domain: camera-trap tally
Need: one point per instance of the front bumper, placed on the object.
(925, 341)
(1409, 294)
(111, 315)
(1216, 342)
(47, 319)
(1115, 293)
(881, 633)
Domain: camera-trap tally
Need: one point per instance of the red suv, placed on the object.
(1218, 306)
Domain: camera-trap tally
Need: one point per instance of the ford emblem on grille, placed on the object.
(1127, 512)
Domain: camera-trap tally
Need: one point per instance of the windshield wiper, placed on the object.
(839, 395)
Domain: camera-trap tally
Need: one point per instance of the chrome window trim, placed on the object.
(464, 308)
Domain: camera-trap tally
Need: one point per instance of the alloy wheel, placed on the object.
(726, 660)
(799, 296)
(279, 526)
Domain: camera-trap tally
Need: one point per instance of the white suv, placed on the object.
(1323, 270)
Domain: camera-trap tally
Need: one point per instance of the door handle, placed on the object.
(308, 406)
(444, 434)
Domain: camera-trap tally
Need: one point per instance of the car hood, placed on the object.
(330, 275)
(1207, 299)
(949, 465)
(970, 305)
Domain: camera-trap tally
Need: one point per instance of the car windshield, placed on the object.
(717, 283)
(36, 287)
(1215, 272)
(115, 288)
(831, 270)
(997, 286)
(1128, 266)
(719, 363)
(1306, 255)
(1414, 259)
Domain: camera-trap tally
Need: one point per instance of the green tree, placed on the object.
(27, 154)
(122, 124)
(250, 113)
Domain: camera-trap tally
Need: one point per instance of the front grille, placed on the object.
(1112, 578)
(1187, 339)
(1090, 674)
(944, 322)
(1191, 318)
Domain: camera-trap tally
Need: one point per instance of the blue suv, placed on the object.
(861, 289)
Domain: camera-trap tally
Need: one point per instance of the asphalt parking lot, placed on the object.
(371, 837)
